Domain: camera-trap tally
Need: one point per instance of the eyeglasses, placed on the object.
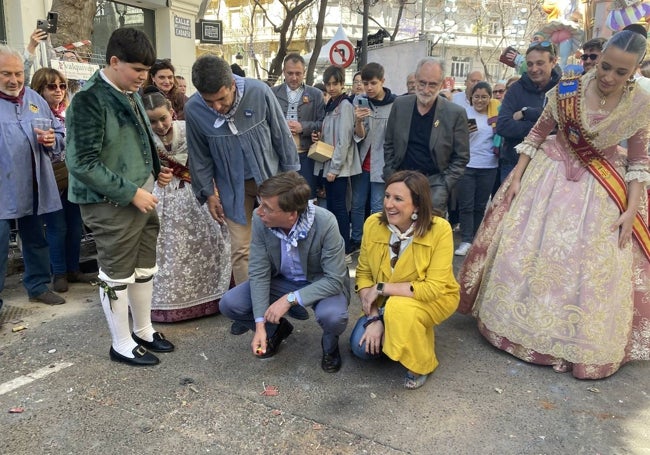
(585, 57)
(480, 97)
(496, 92)
(53, 87)
(266, 210)
(395, 247)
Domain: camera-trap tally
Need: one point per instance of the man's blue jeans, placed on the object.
(36, 255)
(362, 188)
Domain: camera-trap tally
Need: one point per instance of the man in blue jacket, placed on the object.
(525, 100)
(27, 185)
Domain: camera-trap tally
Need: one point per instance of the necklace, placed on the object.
(165, 139)
(601, 95)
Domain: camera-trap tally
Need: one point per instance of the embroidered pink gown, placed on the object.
(546, 279)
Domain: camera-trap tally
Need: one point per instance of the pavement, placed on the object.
(206, 396)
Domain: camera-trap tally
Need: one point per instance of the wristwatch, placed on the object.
(380, 288)
(291, 298)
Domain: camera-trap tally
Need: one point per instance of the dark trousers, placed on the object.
(474, 189)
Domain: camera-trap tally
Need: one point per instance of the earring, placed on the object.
(414, 216)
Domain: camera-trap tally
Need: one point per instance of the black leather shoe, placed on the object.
(159, 343)
(237, 328)
(143, 358)
(331, 362)
(298, 312)
(272, 344)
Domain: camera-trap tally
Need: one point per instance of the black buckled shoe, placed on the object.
(159, 343)
(298, 312)
(272, 344)
(142, 357)
(331, 362)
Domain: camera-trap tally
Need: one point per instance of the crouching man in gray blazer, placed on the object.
(297, 257)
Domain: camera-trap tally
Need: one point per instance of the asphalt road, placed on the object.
(206, 396)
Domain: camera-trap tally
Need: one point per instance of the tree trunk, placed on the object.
(75, 20)
(318, 43)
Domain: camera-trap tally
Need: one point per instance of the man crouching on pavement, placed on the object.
(297, 257)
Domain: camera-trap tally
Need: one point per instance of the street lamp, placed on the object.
(520, 23)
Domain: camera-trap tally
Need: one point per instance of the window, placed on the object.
(459, 66)
(110, 16)
(494, 26)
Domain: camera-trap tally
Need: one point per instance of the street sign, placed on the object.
(342, 53)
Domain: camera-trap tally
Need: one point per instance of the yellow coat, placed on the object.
(427, 264)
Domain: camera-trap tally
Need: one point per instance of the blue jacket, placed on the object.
(523, 93)
(18, 149)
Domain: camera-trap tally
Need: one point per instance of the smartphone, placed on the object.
(50, 24)
(362, 101)
(471, 122)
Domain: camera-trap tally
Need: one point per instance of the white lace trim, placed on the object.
(527, 148)
(641, 175)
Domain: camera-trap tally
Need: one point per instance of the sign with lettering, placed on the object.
(74, 70)
(182, 27)
(209, 32)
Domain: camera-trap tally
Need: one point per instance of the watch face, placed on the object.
(291, 298)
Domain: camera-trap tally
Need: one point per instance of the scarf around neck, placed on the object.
(300, 230)
(14, 99)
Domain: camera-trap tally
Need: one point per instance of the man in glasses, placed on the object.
(524, 101)
(297, 259)
(427, 133)
(591, 51)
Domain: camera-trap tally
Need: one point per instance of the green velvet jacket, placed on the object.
(109, 153)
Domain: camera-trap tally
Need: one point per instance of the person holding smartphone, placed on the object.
(370, 117)
(476, 183)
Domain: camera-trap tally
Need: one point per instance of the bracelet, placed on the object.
(373, 319)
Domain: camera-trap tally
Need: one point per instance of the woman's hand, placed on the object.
(373, 337)
(624, 225)
(164, 176)
(368, 297)
(513, 190)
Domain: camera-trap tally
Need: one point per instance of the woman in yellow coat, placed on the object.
(405, 279)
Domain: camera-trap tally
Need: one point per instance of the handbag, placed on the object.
(60, 175)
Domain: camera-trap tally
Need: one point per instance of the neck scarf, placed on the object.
(300, 230)
(59, 112)
(14, 99)
(333, 103)
(398, 242)
(229, 117)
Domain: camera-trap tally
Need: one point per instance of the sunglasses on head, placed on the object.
(542, 45)
(53, 87)
(585, 57)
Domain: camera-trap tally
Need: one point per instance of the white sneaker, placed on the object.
(462, 249)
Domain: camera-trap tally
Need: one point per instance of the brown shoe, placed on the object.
(60, 283)
(48, 297)
(78, 277)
